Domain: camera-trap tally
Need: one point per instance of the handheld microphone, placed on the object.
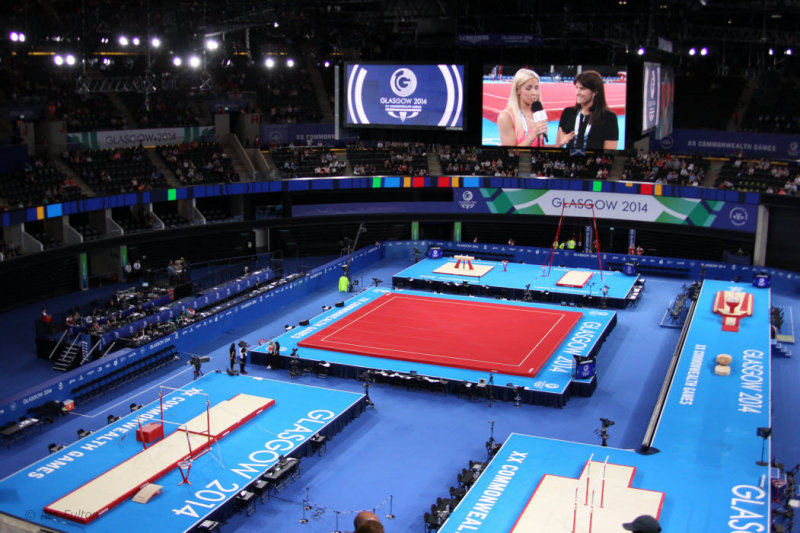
(539, 114)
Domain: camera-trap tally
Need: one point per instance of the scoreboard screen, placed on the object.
(405, 96)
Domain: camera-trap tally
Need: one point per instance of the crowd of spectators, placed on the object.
(199, 163)
(389, 158)
(479, 161)
(760, 175)
(665, 169)
(116, 170)
(308, 161)
(558, 164)
(39, 182)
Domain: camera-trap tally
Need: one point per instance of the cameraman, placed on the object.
(242, 357)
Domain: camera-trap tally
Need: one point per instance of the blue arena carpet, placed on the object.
(408, 450)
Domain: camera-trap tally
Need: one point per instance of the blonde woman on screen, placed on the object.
(515, 122)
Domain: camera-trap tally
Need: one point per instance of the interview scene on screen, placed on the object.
(537, 105)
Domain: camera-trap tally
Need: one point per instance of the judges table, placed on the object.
(281, 472)
(16, 430)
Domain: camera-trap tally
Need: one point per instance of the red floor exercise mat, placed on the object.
(509, 339)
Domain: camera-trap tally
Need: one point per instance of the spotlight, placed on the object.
(327, 64)
(70, 59)
(58, 60)
(704, 51)
(269, 62)
(136, 41)
(640, 51)
(177, 61)
(692, 51)
(123, 41)
(290, 62)
(106, 61)
(211, 45)
(771, 52)
(14, 36)
(275, 24)
(194, 61)
(788, 51)
(155, 42)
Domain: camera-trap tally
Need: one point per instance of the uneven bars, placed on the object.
(588, 477)
(603, 484)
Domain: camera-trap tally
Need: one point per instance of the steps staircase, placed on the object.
(71, 355)
(780, 349)
(434, 164)
(525, 164)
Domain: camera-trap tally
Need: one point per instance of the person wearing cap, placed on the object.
(643, 524)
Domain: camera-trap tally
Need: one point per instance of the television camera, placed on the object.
(602, 431)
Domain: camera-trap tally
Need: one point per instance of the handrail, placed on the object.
(89, 353)
(50, 357)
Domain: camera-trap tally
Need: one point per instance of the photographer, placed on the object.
(242, 357)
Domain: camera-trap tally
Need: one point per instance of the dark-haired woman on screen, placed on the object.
(515, 122)
(589, 124)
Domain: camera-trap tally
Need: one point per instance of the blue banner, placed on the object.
(725, 143)
(28, 113)
(556, 202)
(301, 134)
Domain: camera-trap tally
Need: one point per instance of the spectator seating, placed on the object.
(484, 161)
(759, 176)
(668, 169)
(404, 159)
(199, 163)
(38, 183)
(307, 161)
(116, 170)
(170, 217)
(124, 374)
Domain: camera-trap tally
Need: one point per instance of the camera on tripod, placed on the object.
(602, 432)
(196, 361)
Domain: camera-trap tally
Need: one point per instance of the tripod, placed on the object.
(367, 382)
(526, 296)
(491, 389)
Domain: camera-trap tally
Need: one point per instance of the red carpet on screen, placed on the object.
(504, 338)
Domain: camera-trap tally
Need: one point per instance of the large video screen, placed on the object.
(405, 96)
(667, 103)
(559, 97)
(651, 97)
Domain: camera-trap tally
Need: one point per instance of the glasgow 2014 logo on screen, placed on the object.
(405, 95)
